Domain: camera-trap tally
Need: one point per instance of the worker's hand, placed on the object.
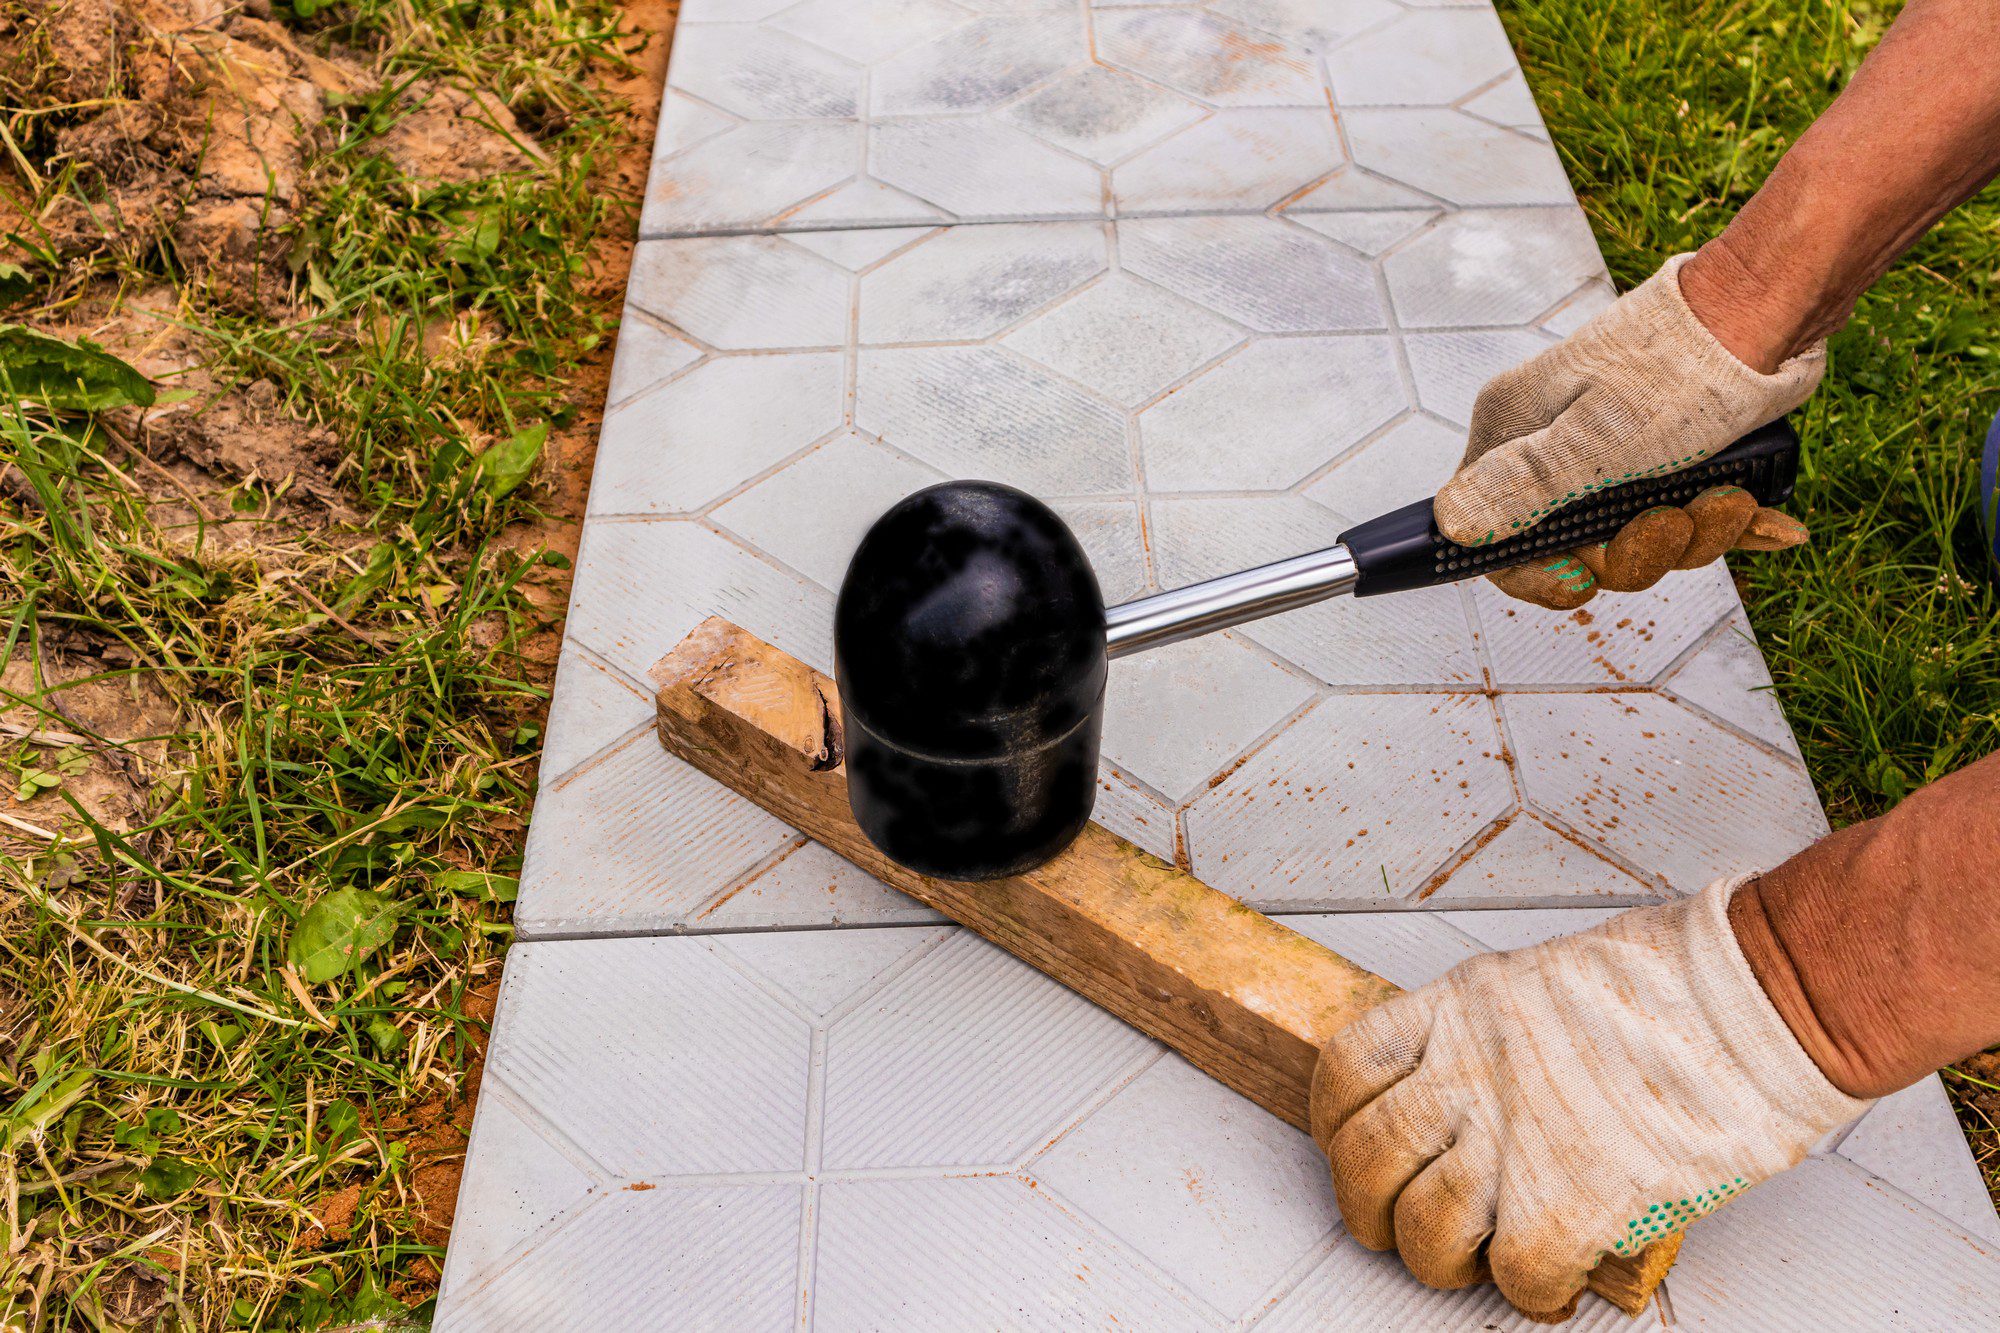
(1642, 389)
(1531, 1111)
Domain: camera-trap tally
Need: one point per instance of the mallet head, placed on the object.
(969, 645)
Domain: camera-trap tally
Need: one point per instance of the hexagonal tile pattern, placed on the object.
(968, 283)
(1492, 266)
(1102, 114)
(1175, 715)
(1312, 399)
(1359, 801)
(1457, 157)
(1125, 338)
(1209, 339)
(1198, 1180)
(926, 1073)
(1258, 271)
(1659, 786)
(675, 448)
(1425, 59)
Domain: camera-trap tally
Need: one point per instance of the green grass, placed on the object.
(181, 1093)
(1668, 114)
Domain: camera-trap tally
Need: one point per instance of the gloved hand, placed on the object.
(1642, 389)
(1530, 1111)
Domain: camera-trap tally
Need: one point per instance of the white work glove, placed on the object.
(1642, 389)
(1529, 1112)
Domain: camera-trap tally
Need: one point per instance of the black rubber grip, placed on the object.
(1403, 549)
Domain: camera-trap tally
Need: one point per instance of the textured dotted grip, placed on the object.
(1404, 549)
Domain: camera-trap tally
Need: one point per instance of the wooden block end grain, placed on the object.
(1246, 1000)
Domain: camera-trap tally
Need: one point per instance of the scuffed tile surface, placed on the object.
(1213, 326)
(1911, 1139)
(1823, 1238)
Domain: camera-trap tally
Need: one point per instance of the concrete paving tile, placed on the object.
(730, 11)
(654, 1057)
(1109, 532)
(1579, 309)
(1125, 338)
(1355, 189)
(869, 31)
(1370, 233)
(1255, 270)
(1102, 114)
(985, 1252)
(968, 283)
(1838, 1243)
(1451, 368)
(1528, 861)
(675, 448)
(980, 412)
(1304, 401)
(1421, 637)
(1407, 462)
(1239, 158)
(1409, 948)
(1912, 1140)
(591, 706)
(861, 248)
(1205, 1183)
(1133, 815)
(1361, 800)
(640, 587)
(757, 71)
(1662, 788)
(1457, 157)
(978, 65)
(1423, 59)
(1492, 266)
(1312, 25)
(812, 514)
(969, 1058)
(741, 293)
(1175, 715)
(1518, 928)
(524, 1183)
(1728, 678)
(810, 887)
(646, 355)
(715, 1257)
(824, 970)
(1356, 1288)
(862, 204)
(977, 168)
(1617, 639)
(1508, 103)
(637, 841)
(1208, 57)
(685, 122)
(707, 187)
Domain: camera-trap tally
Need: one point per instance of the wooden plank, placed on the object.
(1248, 1001)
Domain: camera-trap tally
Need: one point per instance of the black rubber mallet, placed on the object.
(971, 645)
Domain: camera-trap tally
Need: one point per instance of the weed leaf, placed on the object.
(70, 377)
(480, 884)
(166, 1177)
(15, 284)
(507, 464)
(339, 931)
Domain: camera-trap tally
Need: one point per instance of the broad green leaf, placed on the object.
(480, 884)
(340, 930)
(78, 377)
(167, 1177)
(15, 283)
(341, 1122)
(507, 464)
(388, 1038)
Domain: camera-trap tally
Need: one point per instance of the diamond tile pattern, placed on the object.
(1212, 325)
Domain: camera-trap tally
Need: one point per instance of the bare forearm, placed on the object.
(1880, 945)
(1915, 134)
